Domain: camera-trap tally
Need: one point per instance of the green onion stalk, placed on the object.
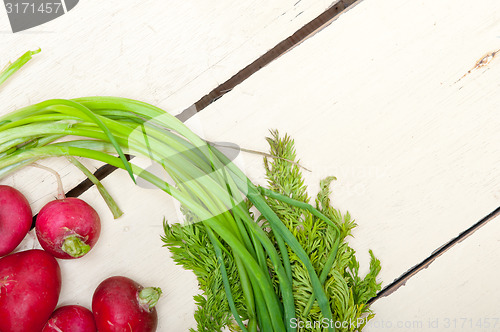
(204, 181)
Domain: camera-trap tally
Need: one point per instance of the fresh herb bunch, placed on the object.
(257, 264)
(191, 247)
(348, 293)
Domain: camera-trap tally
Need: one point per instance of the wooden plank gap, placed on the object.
(320, 22)
(86, 184)
(303, 33)
(107, 169)
(401, 281)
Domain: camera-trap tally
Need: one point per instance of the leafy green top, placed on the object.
(348, 292)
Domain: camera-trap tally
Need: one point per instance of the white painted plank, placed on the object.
(40, 186)
(457, 292)
(371, 99)
(168, 53)
(131, 246)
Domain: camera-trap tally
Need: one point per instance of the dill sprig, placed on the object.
(295, 265)
(191, 247)
(347, 292)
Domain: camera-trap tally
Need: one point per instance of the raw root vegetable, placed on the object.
(71, 318)
(214, 190)
(121, 304)
(30, 283)
(67, 227)
(15, 219)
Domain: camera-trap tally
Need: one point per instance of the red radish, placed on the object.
(71, 318)
(30, 283)
(15, 219)
(67, 227)
(121, 304)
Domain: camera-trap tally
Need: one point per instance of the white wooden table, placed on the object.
(378, 98)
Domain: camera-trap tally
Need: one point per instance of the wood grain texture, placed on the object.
(372, 100)
(40, 186)
(284, 46)
(464, 235)
(130, 246)
(455, 293)
(164, 52)
(167, 53)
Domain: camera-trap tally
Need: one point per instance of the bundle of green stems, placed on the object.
(201, 178)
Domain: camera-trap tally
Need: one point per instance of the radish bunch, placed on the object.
(73, 318)
(30, 281)
(67, 227)
(15, 219)
(121, 304)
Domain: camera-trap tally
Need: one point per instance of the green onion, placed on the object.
(206, 183)
(110, 202)
(12, 68)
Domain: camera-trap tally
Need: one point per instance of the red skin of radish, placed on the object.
(64, 217)
(30, 283)
(15, 219)
(71, 318)
(116, 307)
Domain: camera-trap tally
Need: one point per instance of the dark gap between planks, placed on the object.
(306, 31)
(86, 184)
(401, 281)
(303, 33)
(284, 46)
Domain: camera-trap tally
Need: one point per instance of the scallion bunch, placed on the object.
(202, 179)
